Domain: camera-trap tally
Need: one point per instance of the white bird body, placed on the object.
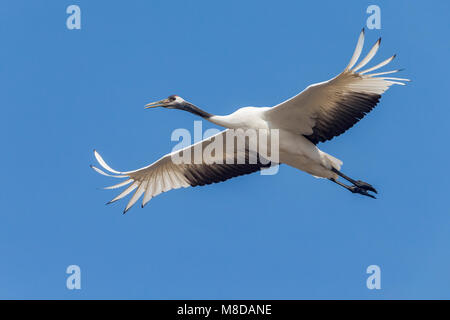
(294, 150)
(243, 118)
(298, 152)
(317, 114)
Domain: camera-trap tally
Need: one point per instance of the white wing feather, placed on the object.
(327, 109)
(164, 175)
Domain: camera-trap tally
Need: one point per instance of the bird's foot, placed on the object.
(365, 186)
(356, 189)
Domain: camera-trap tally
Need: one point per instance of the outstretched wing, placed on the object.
(327, 109)
(208, 161)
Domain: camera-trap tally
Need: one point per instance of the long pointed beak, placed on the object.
(160, 103)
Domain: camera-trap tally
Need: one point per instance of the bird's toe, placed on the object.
(356, 189)
(365, 186)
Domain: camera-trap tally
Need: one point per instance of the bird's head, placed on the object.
(177, 102)
(172, 102)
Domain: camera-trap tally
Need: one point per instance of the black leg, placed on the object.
(340, 183)
(343, 175)
(353, 189)
(357, 183)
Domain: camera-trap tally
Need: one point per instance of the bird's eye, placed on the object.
(171, 99)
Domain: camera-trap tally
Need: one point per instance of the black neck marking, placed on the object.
(189, 107)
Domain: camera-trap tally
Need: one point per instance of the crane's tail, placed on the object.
(334, 162)
(324, 169)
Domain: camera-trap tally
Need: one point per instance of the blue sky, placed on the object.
(286, 236)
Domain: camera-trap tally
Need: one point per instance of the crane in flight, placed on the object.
(317, 114)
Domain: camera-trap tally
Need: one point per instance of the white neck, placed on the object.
(248, 117)
(223, 121)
